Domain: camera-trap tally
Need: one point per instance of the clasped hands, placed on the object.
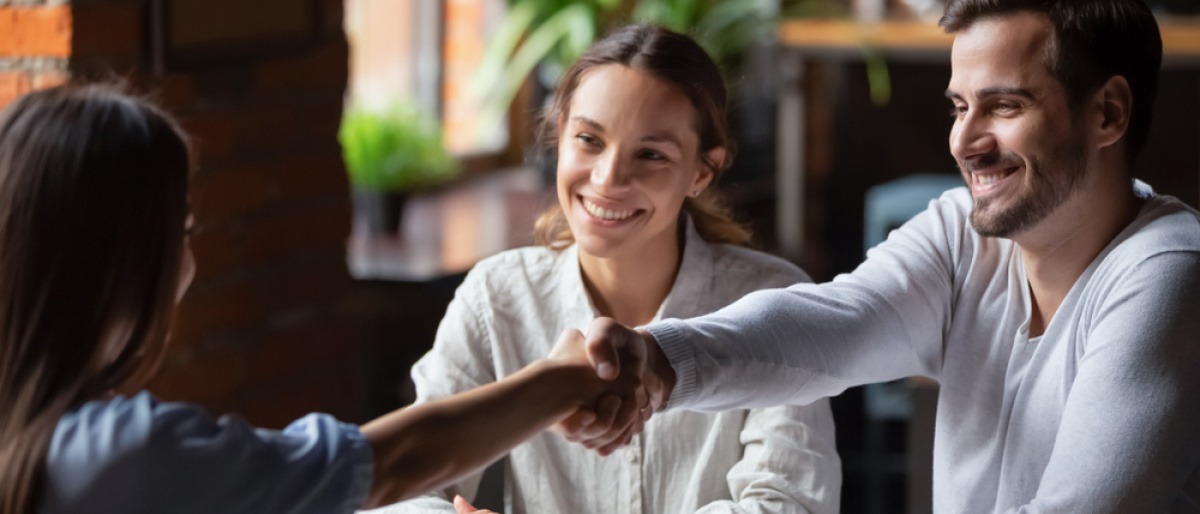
(637, 375)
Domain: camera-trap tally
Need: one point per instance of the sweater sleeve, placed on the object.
(884, 321)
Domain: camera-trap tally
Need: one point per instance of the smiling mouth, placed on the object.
(601, 213)
(987, 179)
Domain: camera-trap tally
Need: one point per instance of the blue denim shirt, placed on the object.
(137, 455)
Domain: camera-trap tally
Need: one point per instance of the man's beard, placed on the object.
(1050, 184)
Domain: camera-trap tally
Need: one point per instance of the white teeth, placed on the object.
(605, 214)
(987, 179)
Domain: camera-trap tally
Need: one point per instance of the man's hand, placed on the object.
(615, 351)
(609, 408)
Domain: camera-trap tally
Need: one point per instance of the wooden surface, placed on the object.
(1181, 36)
(446, 233)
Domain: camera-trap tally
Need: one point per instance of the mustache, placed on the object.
(1007, 160)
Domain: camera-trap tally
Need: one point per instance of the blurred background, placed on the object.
(357, 157)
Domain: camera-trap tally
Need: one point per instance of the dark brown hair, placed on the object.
(93, 187)
(677, 60)
(1094, 40)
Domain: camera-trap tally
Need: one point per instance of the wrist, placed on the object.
(660, 381)
(561, 384)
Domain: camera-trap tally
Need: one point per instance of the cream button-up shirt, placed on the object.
(511, 309)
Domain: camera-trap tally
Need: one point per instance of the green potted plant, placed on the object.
(551, 34)
(389, 155)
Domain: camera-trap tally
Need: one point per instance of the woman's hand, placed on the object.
(618, 353)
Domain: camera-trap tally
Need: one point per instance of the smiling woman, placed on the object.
(681, 83)
(638, 234)
(626, 165)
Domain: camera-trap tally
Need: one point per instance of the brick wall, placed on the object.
(268, 327)
(35, 40)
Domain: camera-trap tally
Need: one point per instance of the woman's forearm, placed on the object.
(427, 446)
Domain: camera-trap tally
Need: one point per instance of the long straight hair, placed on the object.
(93, 201)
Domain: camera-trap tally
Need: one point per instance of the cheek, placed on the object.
(1024, 138)
(668, 187)
(569, 169)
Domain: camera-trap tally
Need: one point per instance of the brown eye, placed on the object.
(651, 155)
(587, 140)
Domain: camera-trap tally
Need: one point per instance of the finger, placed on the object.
(575, 423)
(607, 410)
(602, 343)
(462, 505)
(617, 432)
(622, 440)
(641, 398)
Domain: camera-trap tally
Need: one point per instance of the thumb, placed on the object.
(604, 340)
(462, 505)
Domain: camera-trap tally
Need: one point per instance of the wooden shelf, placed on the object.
(1181, 36)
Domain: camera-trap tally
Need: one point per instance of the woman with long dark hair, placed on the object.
(93, 258)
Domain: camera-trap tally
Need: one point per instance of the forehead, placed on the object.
(620, 97)
(1009, 51)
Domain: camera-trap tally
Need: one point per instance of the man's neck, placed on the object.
(1058, 250)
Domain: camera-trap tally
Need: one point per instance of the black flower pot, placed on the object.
(380, 210)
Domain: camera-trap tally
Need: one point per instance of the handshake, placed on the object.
(622, 378)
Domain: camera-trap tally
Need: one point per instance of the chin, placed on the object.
(598, 247)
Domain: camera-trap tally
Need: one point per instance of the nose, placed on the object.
(971, 137)
(607, 172)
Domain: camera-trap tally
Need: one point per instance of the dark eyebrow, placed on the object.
(998, 90)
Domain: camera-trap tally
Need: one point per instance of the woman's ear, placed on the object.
(713, 159)
(1115, 106)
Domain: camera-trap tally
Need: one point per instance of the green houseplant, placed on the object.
(551, 34)
(389, 155)
(548, 35)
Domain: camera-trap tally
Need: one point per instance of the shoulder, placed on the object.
(1164, 230)
(111, 456)
(519, 272)
(1164, 224)
(126, 430)
(530, 263)
(512, 280)
(1159, 252)
(753, 268)
(120, 426)
(110, 445)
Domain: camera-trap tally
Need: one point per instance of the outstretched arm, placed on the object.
(484, 423)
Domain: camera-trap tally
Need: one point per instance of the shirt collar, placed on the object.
(691, 281)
